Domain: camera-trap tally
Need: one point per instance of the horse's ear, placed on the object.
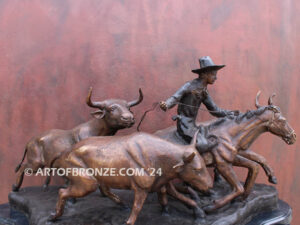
(270, 101)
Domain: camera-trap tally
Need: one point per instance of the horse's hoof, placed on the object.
(15, 188)
(272, 179)
(209, 208)
(52, 217)
(199, 221)
(199, 213)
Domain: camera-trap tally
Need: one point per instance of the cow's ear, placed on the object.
(99, 114)
(189, 158)
(179, 167)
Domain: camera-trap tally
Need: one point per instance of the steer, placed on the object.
(138, 151)
(111, 116)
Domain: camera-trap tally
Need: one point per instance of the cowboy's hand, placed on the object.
(236, 112)
(163, 105)
(230, 114)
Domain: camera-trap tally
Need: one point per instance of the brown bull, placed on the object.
(136, 151)
(235, 135)
(111, 116)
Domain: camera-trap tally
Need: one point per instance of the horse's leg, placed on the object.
(180, 187)
(171, 190)
(261, 161)
(230, 176)
(252, 172)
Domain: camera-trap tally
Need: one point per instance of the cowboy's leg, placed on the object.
(205, 142)
(186, 128)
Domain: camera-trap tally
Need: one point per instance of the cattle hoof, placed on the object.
(15, 188)
(273, 179)
(71, 201)
(45, 188)
(125, 207)
(165, 211)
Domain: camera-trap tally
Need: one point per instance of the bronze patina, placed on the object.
(112, 115)
(135, 151)
(189, 98)
(235, 136)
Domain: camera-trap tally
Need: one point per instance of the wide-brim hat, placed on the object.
(206, 65)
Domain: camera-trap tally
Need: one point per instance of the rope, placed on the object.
(155, 104)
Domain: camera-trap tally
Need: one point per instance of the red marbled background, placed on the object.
(53, 50)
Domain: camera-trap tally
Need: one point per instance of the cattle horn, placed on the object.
(194, 140)
(92, 104)
(136, 102)
(256, 100)
(270, 101)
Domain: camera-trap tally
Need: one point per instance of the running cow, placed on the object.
(111, 116)
(138, 151)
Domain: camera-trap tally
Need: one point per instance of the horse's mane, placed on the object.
(249, 114)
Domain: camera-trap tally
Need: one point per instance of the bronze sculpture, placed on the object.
(112, 115)
(235, 136)
(189, 98)
(221, 144)
(138, 150)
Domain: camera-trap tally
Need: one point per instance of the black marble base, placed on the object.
(96, 209)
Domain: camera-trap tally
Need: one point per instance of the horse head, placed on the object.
(277, 123)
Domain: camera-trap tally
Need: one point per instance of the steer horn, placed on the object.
(270, 101)
(194, 140)
(136, 102)
(256, 100)
(92, 104)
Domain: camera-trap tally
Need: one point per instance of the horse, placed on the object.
(235, 135)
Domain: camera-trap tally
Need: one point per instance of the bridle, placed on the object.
(275, 109)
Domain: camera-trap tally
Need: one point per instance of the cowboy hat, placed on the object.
(206, 65)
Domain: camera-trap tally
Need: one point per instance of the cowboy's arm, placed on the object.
(215, 110)
(175, 98)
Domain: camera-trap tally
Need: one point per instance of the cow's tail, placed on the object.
(20, 164)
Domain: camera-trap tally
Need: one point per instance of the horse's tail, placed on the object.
(20, 164)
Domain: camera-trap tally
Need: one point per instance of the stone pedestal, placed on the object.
(96, 209)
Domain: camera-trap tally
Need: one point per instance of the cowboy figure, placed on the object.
(189, 98)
